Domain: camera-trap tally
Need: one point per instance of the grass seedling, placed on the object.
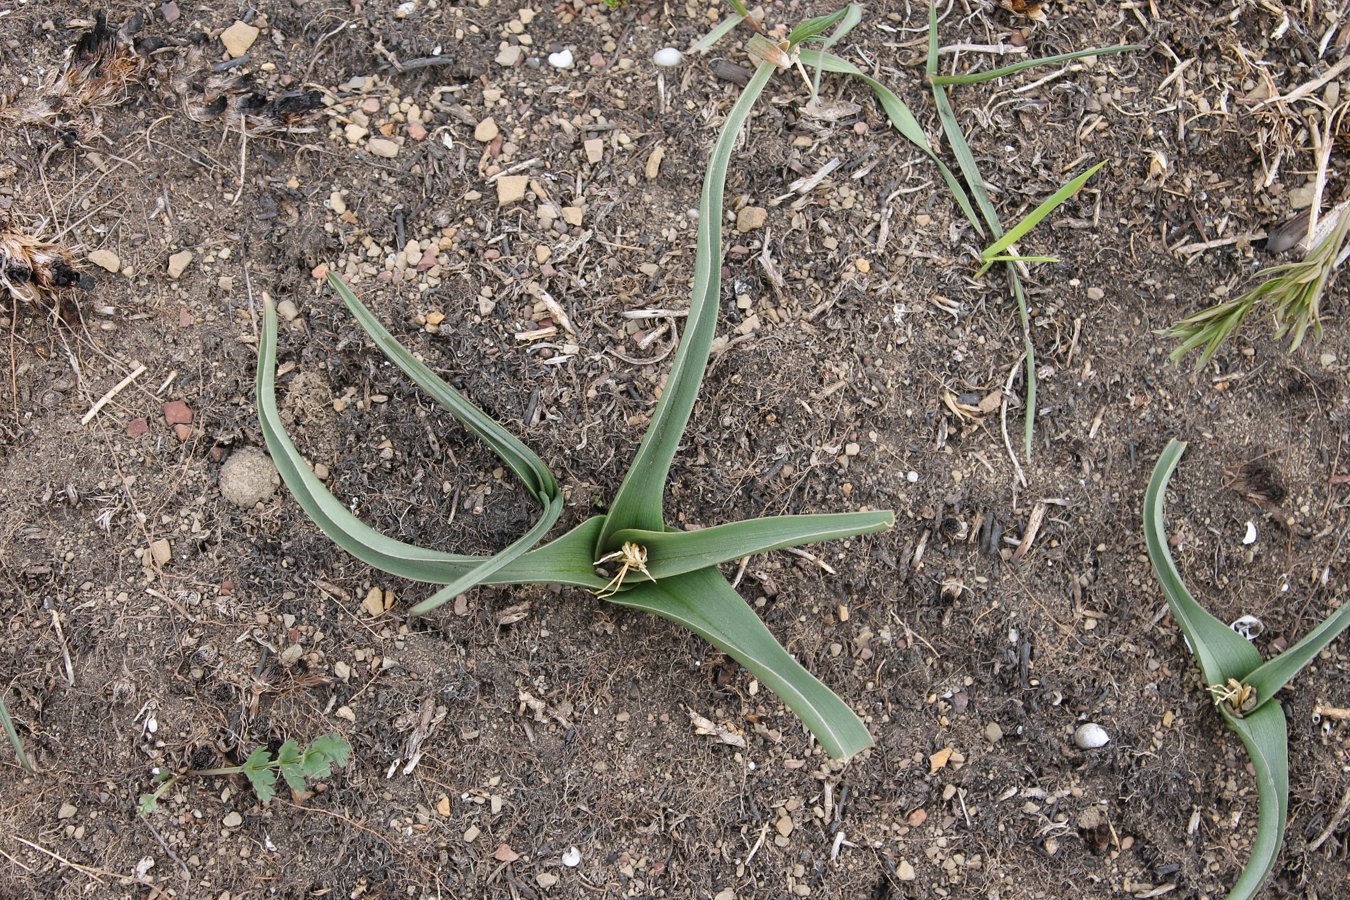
(669, 573)
(13, 736)
(295, 766)
(904, 122)
(1242, 686)
(1293, 291)
(965, 160)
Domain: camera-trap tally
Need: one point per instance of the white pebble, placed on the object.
(912, 477)
(561, 60)
(403, 10)
(1250, 536)
(571, 858)
(667, 57)
(1090, 736)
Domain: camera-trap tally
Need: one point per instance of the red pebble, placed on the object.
(182, 432)
(176, 412)
(138, 427)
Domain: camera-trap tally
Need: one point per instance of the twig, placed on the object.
(1307, 88)
(1336, 820)
(65, 650)
(798, 551)
(1003, 415)
(116, 389)
(90, 871)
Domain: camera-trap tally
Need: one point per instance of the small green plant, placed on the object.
(904, 122)
(1293, 290)
(663, 571)
(295, 766)
(1242, 686)
(13, 736)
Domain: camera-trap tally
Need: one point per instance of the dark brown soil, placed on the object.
(553, 721)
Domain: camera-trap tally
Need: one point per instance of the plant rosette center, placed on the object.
(630, 556)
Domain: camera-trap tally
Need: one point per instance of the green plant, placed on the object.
(904, 122)
(1294, 291)
(13, 736)
(970, 170)
(669, 573)
(1243, 687)
(295, 766)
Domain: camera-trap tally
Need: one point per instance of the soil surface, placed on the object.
(538, 742)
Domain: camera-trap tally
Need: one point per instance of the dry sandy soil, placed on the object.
(546, 719)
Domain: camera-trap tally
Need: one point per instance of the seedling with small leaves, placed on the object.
(295, 766)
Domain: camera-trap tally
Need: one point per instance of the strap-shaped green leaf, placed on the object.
(527, 465)
(977, 77)
(565, 564)
(1220, 651)
(703, 602)
(671, 553)
(901, 119)
(1265, 736)
(638, 503)
(1269, 677)
(813, 28)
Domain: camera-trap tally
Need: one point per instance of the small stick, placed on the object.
(89, 871)
(1336, 819)
(116, 389)
(1331, 712)
(798, 551)
(65, 650)
(1307, 88)
(1003, 413)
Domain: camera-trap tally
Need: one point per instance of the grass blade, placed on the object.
(724, 28)
(638, 503)
(965, 161)
(817, 26)
(1270, 676)
(1220, 651)
(1035, 217)
(705, 604)
(529, 468)
(12, 733)
(977, 77)
(671, 553)
(901, 119)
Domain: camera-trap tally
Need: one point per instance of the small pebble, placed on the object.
(233, 820)
(571, 858)
(106, 259)
(486, 131)
(382, 147)
(561, 60)
(179, 262)
(67, 811)
(176, 412)
(667, 57)
(238, 38)
(1090, 736)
